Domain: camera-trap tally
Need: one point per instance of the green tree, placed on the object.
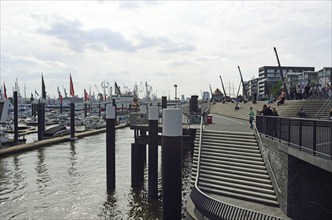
(275, 91)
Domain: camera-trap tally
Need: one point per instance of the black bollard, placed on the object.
(15, 118)
(164, 102)
(141, 162)
(135, 177)
(72, 121)
(43, 118)
(85, 110)
(172, 164)
(153, 152)
(40, 121)
(110, 147)
(33, 110)
(99, 110)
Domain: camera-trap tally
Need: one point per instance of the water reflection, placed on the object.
(141, 207)
(109, 208)
(18, 176)
(41, 169)
(72, 169)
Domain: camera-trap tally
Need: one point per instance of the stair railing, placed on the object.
(323, 107)
(266, 159)
(215, 209)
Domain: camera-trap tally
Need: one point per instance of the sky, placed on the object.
(161, 43)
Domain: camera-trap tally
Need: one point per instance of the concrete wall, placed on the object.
(305, 188)
(279, 165)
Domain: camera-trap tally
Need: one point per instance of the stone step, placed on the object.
(206, 178)
(252, 159)
(255, 169)
(233, 184)
(221, 141)
(238, 191)
(242, 146)
(223, 158)
(261, 178)
(216, 152)
(231, 149)
(269, 202)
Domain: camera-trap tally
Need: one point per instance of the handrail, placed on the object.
(266, 158)
(322, 207)
(215, 209)
(297, 139)
(323, 107)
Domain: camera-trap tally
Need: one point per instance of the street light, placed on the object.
(175, 86)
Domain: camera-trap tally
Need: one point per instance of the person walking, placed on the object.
(251, 117)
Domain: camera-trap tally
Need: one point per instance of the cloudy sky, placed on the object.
(188, 43)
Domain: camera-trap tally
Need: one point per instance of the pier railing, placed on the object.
(309, 135)
(212, 208)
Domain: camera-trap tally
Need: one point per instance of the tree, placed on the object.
(275, 90)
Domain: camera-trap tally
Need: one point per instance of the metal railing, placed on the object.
(215, 209)
(322, 109)
(310, 135)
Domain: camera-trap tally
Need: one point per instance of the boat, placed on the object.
(56, 131)
(94, 122)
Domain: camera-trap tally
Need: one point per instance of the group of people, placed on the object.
(266, 111)
(316, 91)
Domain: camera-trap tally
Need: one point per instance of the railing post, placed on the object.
(289, 131)
(314, 138)
(279, 130)
(300, 134)
(330, 140)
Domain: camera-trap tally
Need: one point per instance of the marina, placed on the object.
(67, 181)
(148, 110)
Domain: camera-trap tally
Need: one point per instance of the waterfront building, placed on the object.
(270, 75)
(325, 75)
(205, 96)
(252, 87)
(217, 95)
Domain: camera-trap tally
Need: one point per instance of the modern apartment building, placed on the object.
(325, 75)
(268, 76)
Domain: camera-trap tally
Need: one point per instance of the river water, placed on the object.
(68, 181)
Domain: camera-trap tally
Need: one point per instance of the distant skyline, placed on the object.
(187, 43)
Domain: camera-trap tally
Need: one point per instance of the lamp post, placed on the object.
(176, 99)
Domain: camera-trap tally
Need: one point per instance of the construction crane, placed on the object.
(281, 74)
(244, 88)
(222, 86)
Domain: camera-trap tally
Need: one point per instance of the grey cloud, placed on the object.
(78, 39)
(166, 45)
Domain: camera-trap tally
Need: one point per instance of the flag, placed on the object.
(36, 93)
(43, 88)
(4, 91)
(85, 96)
(72, 93)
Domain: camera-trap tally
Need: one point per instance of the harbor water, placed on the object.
(68, 181)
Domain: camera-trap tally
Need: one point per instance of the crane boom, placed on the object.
(222, 86)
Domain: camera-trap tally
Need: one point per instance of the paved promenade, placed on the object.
(222, 123)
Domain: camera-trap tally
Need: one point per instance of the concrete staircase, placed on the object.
(289, 109)
(231, 165)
